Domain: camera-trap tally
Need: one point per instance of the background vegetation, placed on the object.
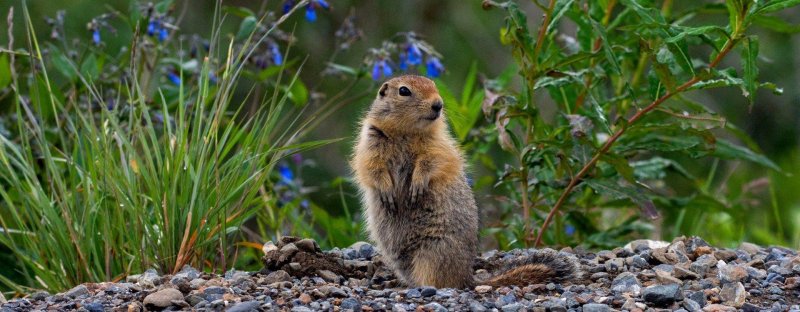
(137, 135)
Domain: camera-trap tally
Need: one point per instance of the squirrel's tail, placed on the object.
(541, 266)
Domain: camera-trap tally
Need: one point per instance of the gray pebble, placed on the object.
(350, 304)
(596, 307)
(662, 295)
(245, 306)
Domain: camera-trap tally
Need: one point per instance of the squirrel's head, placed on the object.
(408, 102)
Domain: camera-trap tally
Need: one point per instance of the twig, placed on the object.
(588, 166)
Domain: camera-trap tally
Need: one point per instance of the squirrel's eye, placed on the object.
(405, 91)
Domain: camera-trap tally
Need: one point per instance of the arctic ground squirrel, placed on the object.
(419, 208)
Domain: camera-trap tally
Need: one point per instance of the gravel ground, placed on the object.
(685, 275)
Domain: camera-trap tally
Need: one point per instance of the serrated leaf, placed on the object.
(683, 32)
(558, 11)
(775, 6)
(609, 53)
(634, 193)
(749, 66)
(726, 149)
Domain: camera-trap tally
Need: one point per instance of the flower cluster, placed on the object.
(158, 27)
(410, 55)
(94, 27)
(311, 8)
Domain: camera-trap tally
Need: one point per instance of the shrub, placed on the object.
(612, 140)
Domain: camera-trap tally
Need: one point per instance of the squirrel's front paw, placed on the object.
(387, 201)
(416, 191)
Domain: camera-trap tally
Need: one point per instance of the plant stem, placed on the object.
(606, 146)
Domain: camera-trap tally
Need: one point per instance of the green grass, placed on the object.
(136, 187)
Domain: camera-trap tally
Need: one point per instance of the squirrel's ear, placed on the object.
(382, 91)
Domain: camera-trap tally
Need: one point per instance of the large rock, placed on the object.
(163, 298)
(662, 295)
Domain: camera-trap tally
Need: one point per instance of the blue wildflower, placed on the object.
(311, 14)
(163, 34)
(174, 78)
(381, 68)
(287, 176)
(212, 78)
(305, 204)
(277, 57)
(434, 67)
(96, 36)
(152, 27)
(569, 230)
(403, 65)
(311, 9)
(414, 54)
(287, 6)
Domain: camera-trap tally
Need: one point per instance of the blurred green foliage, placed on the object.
(530, 113)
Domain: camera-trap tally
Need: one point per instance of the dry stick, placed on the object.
(575, 179)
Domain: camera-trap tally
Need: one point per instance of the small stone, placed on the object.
(482, 289)
(514, 307)
(733, 294)
(691, 305)
(350, 304)
(750, 248)
(725, 255)
(94, 307)
(665, 277)
(77, 291)
(277, 276)
(792, 283)
(428, 291)
(149, 279)
(301, 309)
(506, 300)
(308, 245)
(682, 273)
(626, 282)
(614, 265)
(731, 273)
(475, 306)
(718, 308)
(287, 252)
(305, 298)
(332, 291)
(435, 307)
(596, 307)
(413, 293)
(162, 298)
(245, 306)
(268, 247)
(39, 295)
(703, 264)
(662, 295)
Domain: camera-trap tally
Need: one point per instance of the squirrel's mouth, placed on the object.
(432, 116)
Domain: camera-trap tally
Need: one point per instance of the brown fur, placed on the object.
(419, 209)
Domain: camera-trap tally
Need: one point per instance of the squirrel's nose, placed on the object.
(437, 106)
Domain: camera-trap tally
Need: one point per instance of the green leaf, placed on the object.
(63, 64)
(749, 57)
(776, 24)
(298, 93)
(90, 69)
(726, 149)
(610, 56)
(683, 32)
(775, 6)
(163, 6)
(5, 71)
(634, 193)
(239, 11)
(558, 11)
(246, 28)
